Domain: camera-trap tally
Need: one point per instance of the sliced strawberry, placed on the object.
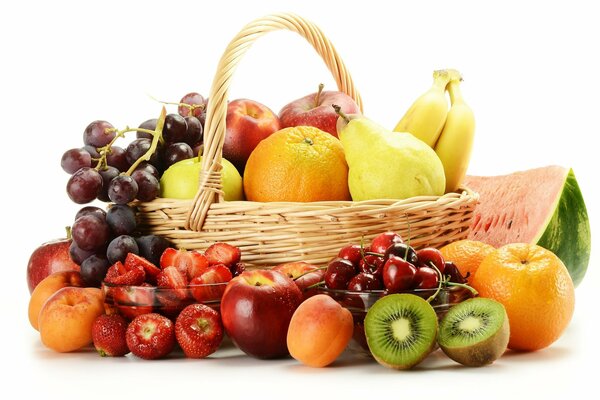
(133, 260)
(223, 253)
(209, 286)
(171, 278)
(193, 262)
(132, 301)
(118, 274)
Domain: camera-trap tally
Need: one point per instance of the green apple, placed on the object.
(181, 180)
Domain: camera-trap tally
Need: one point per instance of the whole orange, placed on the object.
(299, 163)
(467, 255)
(536, 290)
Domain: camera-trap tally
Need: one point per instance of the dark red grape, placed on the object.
(74, 159)
(193, 99)
(426, 278)
(338, 274)
(93, 153)
(108, 174)
(137, 148)
(151, 247)
(177, 152)
(121, 219)
(93, 270)
(364, 281)
(194, 131)
(119, 247)
(398, 274)
(175, 128)
(430, 255)
(90, 232)
(148, 185)
(149, 124)
(122, 189)
(402, 250)
(78, 255)
(117, 157)
(146, 166)
(198, 148)
(84, 185)
(237, 268)
(98, 134)
(93, 210)
(381, 242)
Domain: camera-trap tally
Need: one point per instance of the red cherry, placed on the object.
(398, 274)
(351, 253)
(371, 265)
(339, 273)
(426, 278)
(430, 255)
(453, 273)
(364, 281)
(381, 242)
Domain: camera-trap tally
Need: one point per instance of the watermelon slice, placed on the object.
(542, 206)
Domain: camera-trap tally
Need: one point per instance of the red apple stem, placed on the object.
(339, 112)
(318, 95)
(68, 230)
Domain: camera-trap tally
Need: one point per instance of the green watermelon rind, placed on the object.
(567, 233)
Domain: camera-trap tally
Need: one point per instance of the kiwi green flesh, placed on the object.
(401, 330)
(475, 332)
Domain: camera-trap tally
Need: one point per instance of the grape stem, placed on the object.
(190, 107)
(156, 136)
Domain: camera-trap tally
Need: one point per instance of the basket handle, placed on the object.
(210, 189)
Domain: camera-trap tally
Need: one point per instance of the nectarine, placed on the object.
(66, 319)
(47, 287)
(319, 331)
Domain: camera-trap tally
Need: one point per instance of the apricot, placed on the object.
(66, 318)
(319, 331)
(46, 288)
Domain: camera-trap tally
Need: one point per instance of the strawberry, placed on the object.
(119, 274)
(132, 301)
(108, 335)
(193, 262)
(223, 253)
(133, 260)
(199, 330)
(150, 336)
(209, 286)
(173, 278)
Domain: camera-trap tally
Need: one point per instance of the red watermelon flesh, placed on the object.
(543, 206)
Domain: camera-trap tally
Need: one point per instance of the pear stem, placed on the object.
(339, 112)
(318, 95)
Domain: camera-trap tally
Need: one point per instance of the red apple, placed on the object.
(50, 257)
(316, 110)
(256, 309)
(303, 274)
(248, 122)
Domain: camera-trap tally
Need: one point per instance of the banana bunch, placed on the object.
(449, 131)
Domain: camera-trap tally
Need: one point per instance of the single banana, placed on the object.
(456, 140)
(426, 116)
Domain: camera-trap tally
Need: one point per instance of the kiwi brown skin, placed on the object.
(482, 353)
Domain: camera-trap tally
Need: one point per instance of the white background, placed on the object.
(530, 73)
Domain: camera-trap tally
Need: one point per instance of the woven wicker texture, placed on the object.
(272, 233)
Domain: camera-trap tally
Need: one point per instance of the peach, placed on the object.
(66, 319)
(47, 287)
(319, 331)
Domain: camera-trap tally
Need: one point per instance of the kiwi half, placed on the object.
(401, 330)
(475, 332)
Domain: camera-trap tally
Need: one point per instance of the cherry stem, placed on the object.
(370, 253)
(463, 285)
(339, 112)
(311, 271)
(440, 282)
(318, 96)
(314, 285)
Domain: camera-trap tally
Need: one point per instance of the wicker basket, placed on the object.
(272, 233)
